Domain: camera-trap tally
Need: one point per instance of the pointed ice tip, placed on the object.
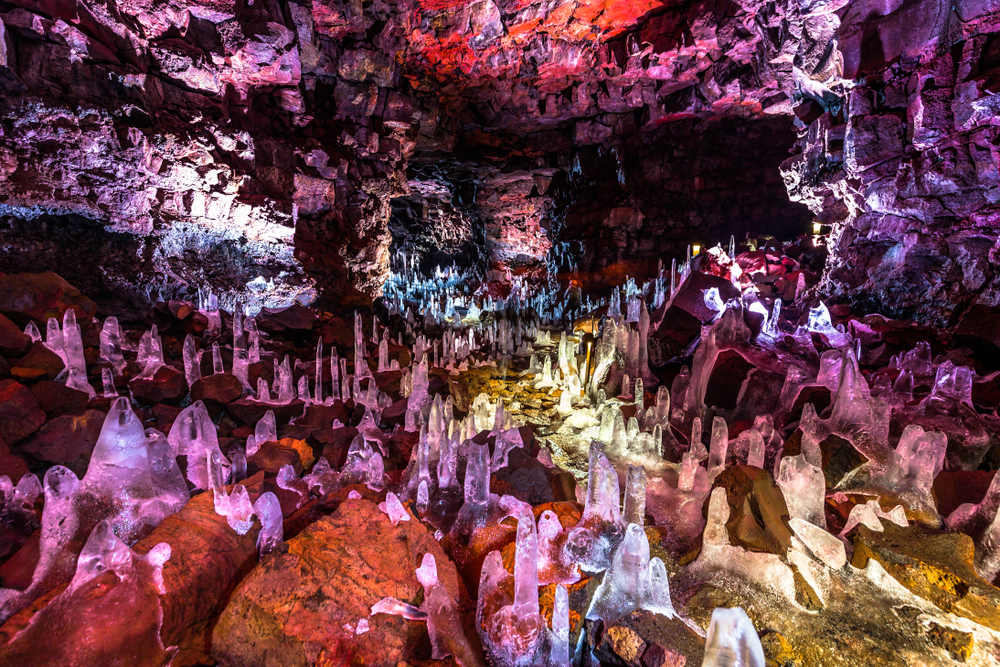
(732, 640)
(427, 572)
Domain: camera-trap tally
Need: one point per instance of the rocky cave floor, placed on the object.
(480, 488)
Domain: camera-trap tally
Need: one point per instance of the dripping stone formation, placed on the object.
(507, 334)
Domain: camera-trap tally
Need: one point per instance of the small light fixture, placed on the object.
(695, 249)
(817, 227)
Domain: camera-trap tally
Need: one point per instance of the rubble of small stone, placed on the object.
(710, 467)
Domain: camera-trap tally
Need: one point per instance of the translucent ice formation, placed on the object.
(804, 487)
(192, 361)
(732, 640)
(268, 511)
(908, 474)
(193, 435)
(444, 624)
(512, 630)
(632, 582)
(111, 345)
(394, 508)
(266, 430)
(76, 363)
(150, 354)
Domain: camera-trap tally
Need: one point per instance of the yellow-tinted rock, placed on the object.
(933, 564)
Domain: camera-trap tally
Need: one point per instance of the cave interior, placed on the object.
(640, 333)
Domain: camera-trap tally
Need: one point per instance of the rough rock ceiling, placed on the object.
(227, 140)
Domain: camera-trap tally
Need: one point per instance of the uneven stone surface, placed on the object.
(13, 342)
(56, 399)
(219, 387)
(293, 609)
(67, 440)
(39, 296)
(208, 560)
(758, 516)
(934, 565)
(288, 451)
(20, 415)
(166, 386)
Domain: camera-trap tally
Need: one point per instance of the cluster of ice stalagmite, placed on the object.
(652, 450)
(132, 483)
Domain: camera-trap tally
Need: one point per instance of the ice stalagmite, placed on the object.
(111, 345)
(150, 354)
(32, 332)
(318, 381)
(265, 431)
(857, 416)
(512, 633)
(322, 476)
(108, 382)
(76, 363)
(193, 435)
(804, 487)
(635, 495)
(719, 446)
(192, 360)
(54, 338)
(235, 506)
(241, 359)
(217, 359)
(443, 621)
(559, 652)
(268, 511)
(120, 458)
(253, 339)
(394, 508)
(732, 640)
(285, 382)
(59, 527)
(632, 582)
(908, 474)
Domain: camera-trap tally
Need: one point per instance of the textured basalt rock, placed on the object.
(302, 606)
(206, 144)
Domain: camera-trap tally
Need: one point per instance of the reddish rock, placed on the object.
(335, 443)
(67, 440)
(166, 386)
(955, 487)
(56, 399)
(40, 363)
(164, 415)
(20, 415)
(105, 621)
(11, 464)
(208, 560)
(292, 610)
(295, 317)
(39, 296)
(322, 416)
(219, 387)
(273, 455)
(13, 342)
(249, 412)
(338, 332)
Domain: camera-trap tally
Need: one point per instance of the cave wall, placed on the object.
(689, 181)
(906, 168)
(231, 139)
(212, 141)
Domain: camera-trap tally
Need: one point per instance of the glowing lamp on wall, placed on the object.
(695, 249)
(817, 227)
